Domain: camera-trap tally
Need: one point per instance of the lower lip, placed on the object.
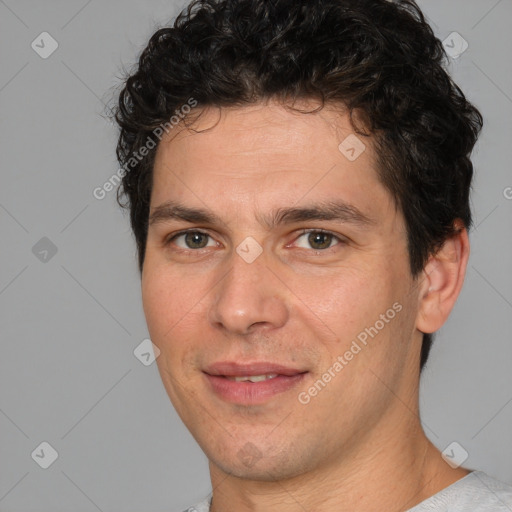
(252, 393)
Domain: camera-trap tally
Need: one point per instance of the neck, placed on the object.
(379, 475)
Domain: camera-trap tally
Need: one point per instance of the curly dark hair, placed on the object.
(378, 58)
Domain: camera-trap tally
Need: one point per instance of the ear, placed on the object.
(442, 281)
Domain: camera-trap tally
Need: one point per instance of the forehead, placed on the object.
(266, 130)
(263, 156)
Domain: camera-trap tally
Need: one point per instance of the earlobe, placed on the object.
(442, 280)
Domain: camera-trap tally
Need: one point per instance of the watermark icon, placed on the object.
(44, 45)
(507, 192)
(249, 249)
(146, 352)
(137, 156)
(249, 455)
(342, 360)
(454, 455)
(351, 147)
(44, 249)
(45, 455)
(455, 45)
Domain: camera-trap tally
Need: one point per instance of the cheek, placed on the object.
(171, 304)
(344, 301)
(173, 314)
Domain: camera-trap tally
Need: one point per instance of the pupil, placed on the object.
(320, 240)
(195, 240)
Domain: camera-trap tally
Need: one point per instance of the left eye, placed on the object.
(317, 240)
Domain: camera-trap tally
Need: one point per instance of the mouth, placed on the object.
(251, 378)
(252, 383)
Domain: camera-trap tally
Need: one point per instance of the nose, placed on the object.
(248, 298)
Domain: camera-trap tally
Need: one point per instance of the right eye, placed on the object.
(191, 240)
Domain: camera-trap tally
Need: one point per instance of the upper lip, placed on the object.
(233, 369)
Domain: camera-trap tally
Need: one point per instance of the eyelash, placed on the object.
(170, 239)
(323, 232)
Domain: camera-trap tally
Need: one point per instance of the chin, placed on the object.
(248, 463)
(262, 473)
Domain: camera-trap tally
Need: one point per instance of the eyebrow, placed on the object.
(332, 210)
(173, 211)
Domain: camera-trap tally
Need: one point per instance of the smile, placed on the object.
(251, 383)
(252, 378)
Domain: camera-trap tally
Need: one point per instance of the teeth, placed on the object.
(253, 378)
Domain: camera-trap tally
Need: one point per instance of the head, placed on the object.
(263, 105)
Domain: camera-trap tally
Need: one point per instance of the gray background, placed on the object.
(70, 323)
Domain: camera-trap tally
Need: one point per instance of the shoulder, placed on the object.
(204, 506)
(476, 492)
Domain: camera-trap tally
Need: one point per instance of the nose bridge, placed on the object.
(247, 296)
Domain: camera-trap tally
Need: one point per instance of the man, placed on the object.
(298, 177)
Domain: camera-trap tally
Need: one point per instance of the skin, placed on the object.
(358, 445)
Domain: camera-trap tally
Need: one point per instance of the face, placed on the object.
(276, 285)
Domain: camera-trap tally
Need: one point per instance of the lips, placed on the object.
(252, 378)
(251, 383)
(233, 369)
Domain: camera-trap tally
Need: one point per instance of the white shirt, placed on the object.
(476, 492)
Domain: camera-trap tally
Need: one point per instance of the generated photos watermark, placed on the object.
(343, 360)
(101, 192)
